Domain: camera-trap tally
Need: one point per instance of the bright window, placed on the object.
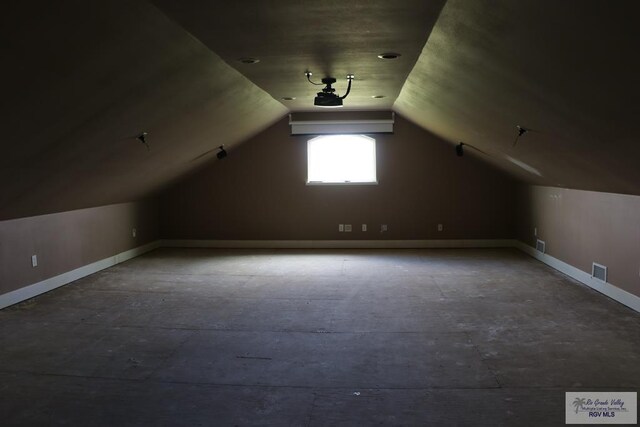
(341, 159)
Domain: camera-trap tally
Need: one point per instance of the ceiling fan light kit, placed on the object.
(327, 98)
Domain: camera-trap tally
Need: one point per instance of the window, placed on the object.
(341, 159)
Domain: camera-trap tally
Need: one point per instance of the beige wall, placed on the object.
(68, 240)
(582, 227)
(259, 192)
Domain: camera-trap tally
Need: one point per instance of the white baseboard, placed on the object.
(30, 291)
(51, 283)
(339, 244)
(608, 289)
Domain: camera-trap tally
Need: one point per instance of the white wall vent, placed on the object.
(540, 246)
(599, 271)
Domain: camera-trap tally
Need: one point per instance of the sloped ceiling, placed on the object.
(329, 38)
(566, 69)
(82, 79)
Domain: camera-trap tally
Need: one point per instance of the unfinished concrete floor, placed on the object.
(198, 337)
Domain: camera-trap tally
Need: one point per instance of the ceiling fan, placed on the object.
(328, 98)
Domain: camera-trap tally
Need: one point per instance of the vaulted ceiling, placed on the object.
(566, 69)
(83, 79)
(329, 38)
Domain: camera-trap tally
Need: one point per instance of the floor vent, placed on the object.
(540, 245)
(599, 272)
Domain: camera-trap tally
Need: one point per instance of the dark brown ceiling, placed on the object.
(567, 69)
(82, 79)
(329, 38)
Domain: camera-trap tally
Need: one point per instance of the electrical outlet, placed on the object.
(364, 227)
(341, 227)
(347, 228)
(440, 227)
(34, 260)
(383, 228)
(535, 231)
(134, 232)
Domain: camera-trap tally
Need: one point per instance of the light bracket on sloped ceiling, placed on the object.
(327, 98)
(143, 138)
(522, 131)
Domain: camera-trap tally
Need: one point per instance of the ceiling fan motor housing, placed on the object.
(327, 99)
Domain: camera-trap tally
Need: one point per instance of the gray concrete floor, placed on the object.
(199, 337)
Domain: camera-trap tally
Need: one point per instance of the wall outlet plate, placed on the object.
(347, 228)
(34, 260)
(134, 232)
(440, 227)
(383, 228)
(364, 227)
(341, 227)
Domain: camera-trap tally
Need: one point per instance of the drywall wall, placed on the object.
(582, 227)
(69, 240)
(259, 192)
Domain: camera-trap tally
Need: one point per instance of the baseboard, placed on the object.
(630, 300)
(339, 244)
(51, 283)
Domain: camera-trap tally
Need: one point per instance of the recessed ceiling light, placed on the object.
(288, 98)
(388, 55)
(377, 96)
(249, 60)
